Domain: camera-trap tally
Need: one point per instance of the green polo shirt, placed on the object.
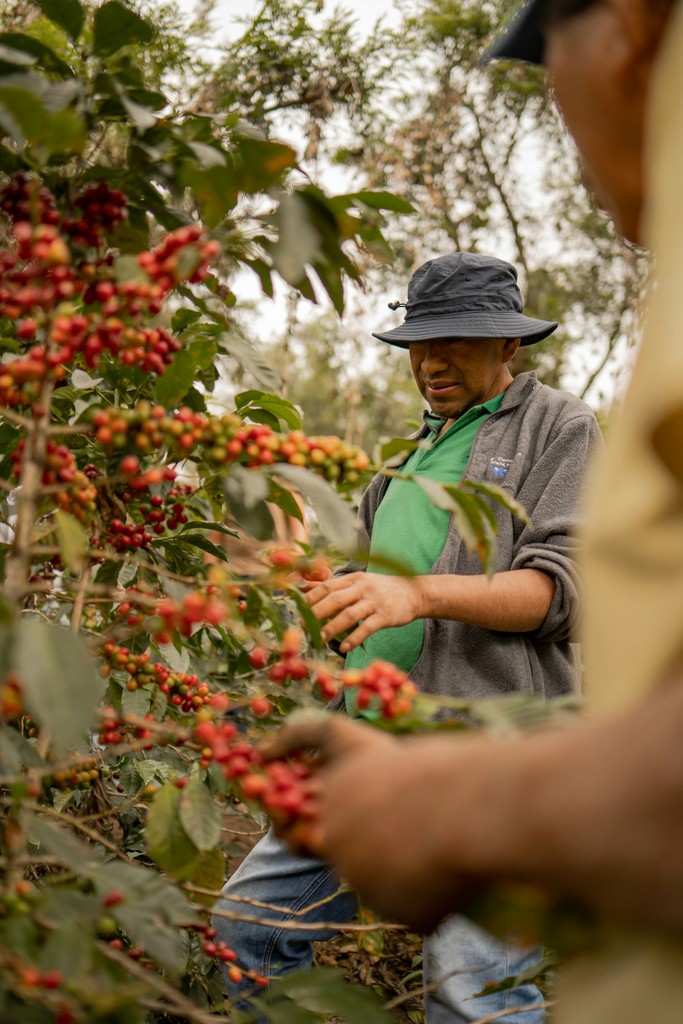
(408, 530)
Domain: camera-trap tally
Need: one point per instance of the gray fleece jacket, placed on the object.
(536, 447)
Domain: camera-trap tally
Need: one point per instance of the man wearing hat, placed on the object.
(456, 631)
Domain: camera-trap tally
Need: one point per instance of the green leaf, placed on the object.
(136, 702)
(247, 401)
(298, 240)
(29, 45)
(59, 681)
(498, 496)
(246, 491)
(382, 201)
(213, 188)
(16, 752)
(13, 57)
(250, 359)
(72, 540)
(218, 527)
(207, 872)
(141, 116)
(284, 499)
(324, 990)
(168, 843)
(117, 26)
(127, 268)
(335, 518)
(82, 858)
(26, 118)
(68, 14)
(151, 913)
(199, 815)
(197, 540)
(188, 363)
(395, 452)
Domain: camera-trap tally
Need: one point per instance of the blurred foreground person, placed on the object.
(595, 813)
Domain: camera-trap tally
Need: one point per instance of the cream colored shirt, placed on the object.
(633, 565)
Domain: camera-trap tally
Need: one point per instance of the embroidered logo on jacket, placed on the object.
(499, 467)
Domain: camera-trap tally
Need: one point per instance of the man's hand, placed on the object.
(379, 601)
(380, 816)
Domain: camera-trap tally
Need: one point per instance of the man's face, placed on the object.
(600, 64)
(453, 374)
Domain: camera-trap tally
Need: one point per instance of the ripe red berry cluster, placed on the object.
(24, 198)
(79, 497)
(184, 691)
(167, 265)
(180, 617)
(290, 665)
(149, 515)
(39, 281)
(225, 440)
(79, 776)
(101, 210)
(110, 728)
(220, 950)
(280, 787)
(383, 686)
(33, 977)
(11, 704)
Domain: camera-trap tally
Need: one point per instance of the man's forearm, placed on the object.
(594, 813)
(517, 601)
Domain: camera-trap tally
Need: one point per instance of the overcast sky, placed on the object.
(228, 11)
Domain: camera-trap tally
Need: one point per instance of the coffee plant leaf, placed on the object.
(171, 388)
(336, 520)
(499, 496)
(150, 913)
(382, 201)
(395, 452)
(68, 949)
(116, 26)
(168, 843)
(246, 491)
(82, 858)
(68, 14)
(199, 815)
(249, 403)
(33, 49)
(248, 356)
(136, 702)
(16, 753)
(324, 990)
(59, 681)
(72, 540)
(206, 872)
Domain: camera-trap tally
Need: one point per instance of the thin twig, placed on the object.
(301, 926)
(490, 1017)
(272, 906)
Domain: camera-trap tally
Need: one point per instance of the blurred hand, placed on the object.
(380, 808)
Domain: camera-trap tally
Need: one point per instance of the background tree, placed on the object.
(409, 110)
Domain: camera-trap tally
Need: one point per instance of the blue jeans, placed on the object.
(459, 956)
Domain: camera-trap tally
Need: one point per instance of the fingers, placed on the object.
(332, 737)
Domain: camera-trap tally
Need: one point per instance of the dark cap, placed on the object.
(523, 39)
(463, 295)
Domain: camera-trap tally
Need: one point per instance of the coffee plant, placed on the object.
(138, 669)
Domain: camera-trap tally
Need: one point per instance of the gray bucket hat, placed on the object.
(522, 38)
(463, 295)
